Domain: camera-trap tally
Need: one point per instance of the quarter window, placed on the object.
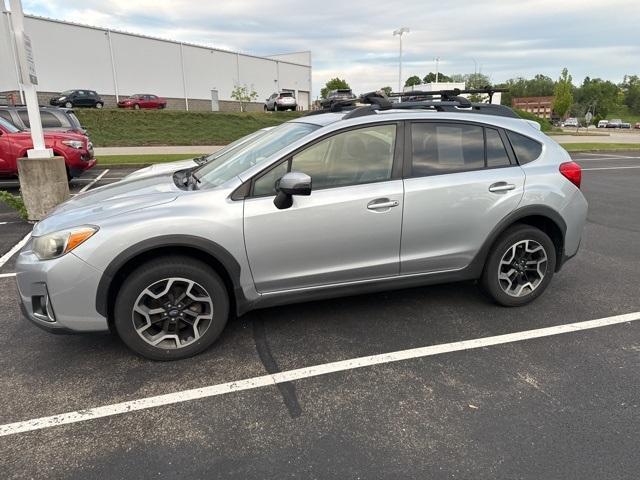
(357, 156)
(266, 184)
(526, 149)
(445, 148)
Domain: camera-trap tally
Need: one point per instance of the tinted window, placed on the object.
(496, 153)
(49, 120)
(266, 184)
(357, 156)
(526, 149)
(443, 148)
(6, 115)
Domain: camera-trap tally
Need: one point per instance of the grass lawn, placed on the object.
(128, 128)
(596, 147)
(122, 160)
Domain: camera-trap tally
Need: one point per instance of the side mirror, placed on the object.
(293, 183)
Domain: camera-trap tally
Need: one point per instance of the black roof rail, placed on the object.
(449, 94)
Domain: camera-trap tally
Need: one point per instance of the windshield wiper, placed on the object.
(201, 160)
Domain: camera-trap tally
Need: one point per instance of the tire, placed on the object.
(136, 106)
(68, 105)
(520, 254)
(99, 105)
(266, 109)
(169, 277)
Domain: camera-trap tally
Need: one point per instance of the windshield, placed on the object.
(10, 127)
(236, 161)
(66, 92)
(234, 145)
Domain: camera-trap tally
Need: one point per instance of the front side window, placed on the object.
(526, 149)
(445, 148)
(357, 156)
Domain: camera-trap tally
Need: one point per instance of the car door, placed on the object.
(460, 181)
(7, 154)
(347, 230)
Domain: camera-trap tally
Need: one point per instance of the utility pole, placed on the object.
(43, 177)
(437, 59)
(399, 32)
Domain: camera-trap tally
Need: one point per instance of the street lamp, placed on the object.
(399, 33)
(437, 59)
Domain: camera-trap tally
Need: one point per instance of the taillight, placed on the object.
(572, 172)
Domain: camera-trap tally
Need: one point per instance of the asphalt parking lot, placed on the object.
(563, 406)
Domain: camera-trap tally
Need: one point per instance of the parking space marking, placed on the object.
(7, 275)
(599, 159)
(302, 373)
(15, 249)
(611, 168)
(95, 180)
(608, 155)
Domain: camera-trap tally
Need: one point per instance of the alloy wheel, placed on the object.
(522, 268)
(172, 313)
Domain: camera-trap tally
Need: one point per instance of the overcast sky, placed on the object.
(353, 39)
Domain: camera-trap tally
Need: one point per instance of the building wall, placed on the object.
(539, 106)
(146, 65)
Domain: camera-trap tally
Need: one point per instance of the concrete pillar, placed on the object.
(43, 184)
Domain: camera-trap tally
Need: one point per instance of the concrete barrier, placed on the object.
(43, 184)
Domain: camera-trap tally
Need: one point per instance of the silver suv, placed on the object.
(321, 206)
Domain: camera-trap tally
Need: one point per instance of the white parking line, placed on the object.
(608, 155)
(610, 168)
(95, 180)
(7, 275)
(599, 159)
(302, 373)
(15, 249)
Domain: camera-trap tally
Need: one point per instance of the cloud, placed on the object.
(354, 39)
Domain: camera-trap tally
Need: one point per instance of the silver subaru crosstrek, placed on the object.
(325, 205)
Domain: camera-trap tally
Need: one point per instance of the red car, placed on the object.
(143, 100)
(76, 149)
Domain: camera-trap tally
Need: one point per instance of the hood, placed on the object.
(116, 199)
(161, 168)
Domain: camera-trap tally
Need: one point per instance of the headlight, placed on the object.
(74, 143)
(56, 244)
(62, 98)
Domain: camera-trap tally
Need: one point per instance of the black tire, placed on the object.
(489, 281)
(68, 105)
(155, 271)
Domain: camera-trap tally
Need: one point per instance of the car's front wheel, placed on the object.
(136, 106)
(520, 266)
(171, 308)
(68, 105)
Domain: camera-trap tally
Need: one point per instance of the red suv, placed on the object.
(76, 149)
(143, 100)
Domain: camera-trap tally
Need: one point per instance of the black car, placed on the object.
(343, 97)
(77, 98)
(53, 118)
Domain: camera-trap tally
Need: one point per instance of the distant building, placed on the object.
(539, 106)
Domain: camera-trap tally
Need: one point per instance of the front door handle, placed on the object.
(501, 187)
(382, 203)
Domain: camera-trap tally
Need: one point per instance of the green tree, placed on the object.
(387, 90)
(431, 78)
(412, 80)
(476, 81)
(333, 84)
(563, 93)
(538, 86)
(242, 94)
(631, 92)
(598, 96)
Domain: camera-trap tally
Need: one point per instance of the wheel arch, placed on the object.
(539, 216)
(198, 248)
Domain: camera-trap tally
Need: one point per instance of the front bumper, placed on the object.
(67, 286)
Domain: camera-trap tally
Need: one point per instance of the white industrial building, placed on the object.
(117, 64)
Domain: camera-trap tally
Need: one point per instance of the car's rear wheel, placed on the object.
(520, 266)
(171, 308)
(68, 105)
(99, 105)
(136, 106)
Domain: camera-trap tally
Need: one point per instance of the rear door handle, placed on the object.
(381, 203)
(501, 187)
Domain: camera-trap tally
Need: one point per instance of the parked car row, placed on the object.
(91, 99)
(62, 133)
(616, 123)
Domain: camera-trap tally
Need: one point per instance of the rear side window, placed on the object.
(496, 153)
(49, 120)
(445, 148)
(526, 149)
(6, 115)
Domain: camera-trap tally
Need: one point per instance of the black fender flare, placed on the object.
(207, 247)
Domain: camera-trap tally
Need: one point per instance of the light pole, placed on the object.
(437, 59)
(399, 33)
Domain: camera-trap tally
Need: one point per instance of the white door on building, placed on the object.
(215, 105)
(303, 100)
